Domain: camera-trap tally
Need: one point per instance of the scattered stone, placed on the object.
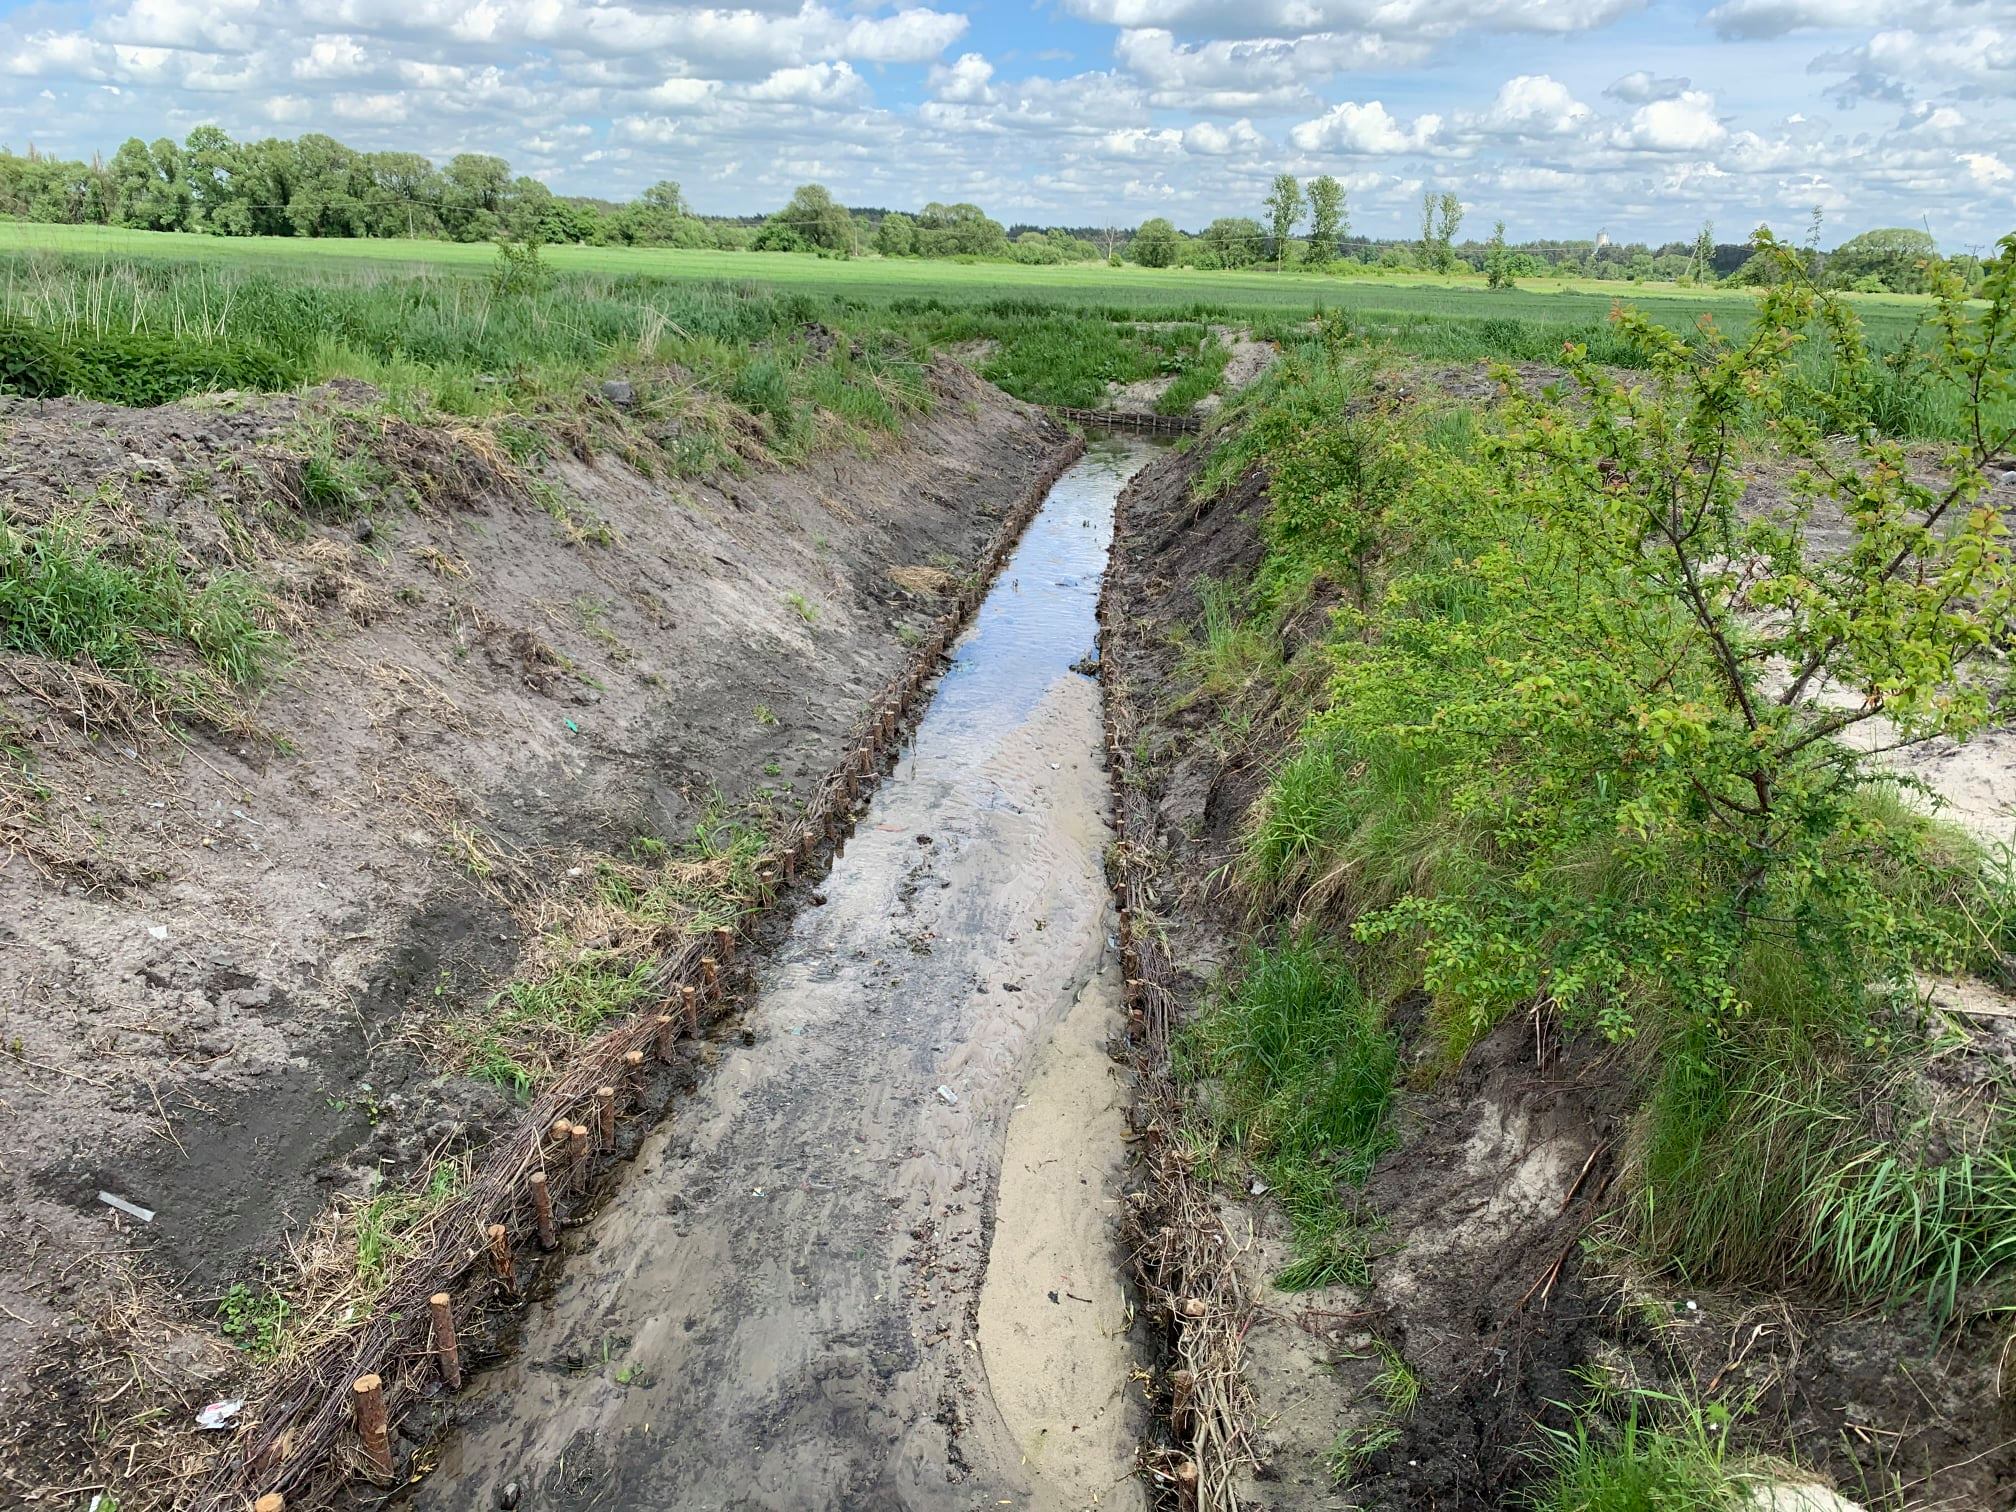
(619, 393)
(508, 1494)
(363, 529)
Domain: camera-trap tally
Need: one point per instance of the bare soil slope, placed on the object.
(229, 963)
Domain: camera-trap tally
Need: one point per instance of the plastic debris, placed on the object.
(948, 1094)
(158, 931)
(130, 1209)
(219, 1414)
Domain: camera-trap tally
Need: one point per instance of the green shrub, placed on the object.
(131, 368)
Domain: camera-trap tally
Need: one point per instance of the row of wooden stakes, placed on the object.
(570, 1146)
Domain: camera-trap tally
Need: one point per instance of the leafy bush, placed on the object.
(1553, 765)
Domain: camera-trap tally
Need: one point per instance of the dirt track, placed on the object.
(782, 1306)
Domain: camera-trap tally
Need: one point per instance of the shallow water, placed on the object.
(781, 1307)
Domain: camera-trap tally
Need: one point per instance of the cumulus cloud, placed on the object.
(1253, 74)
(1685, 123)
(1533, 105)
(1367, 129)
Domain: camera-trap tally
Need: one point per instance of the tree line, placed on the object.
(315, 186)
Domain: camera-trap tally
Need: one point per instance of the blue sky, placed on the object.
(1562, 116)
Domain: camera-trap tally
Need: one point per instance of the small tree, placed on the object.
(1497, 260)
(816, 220)
(1284, 209)
(1326, 221)
(1155, 244)
(1448, 221)
(1701, 261)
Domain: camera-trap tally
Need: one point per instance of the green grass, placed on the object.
(134, 613)
(1666, 1455)
(1296, 1070)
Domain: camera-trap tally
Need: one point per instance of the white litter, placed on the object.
(948, 1094)
(131, 1210)
(219, 1414)
(159, 931)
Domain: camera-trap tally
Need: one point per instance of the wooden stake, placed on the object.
(790, 867)
(668, 1029)
(272, 1501)
(542, 1210)
(724, 944)
(577, 1147)
(447, 1354)
(605, 1114)
(692, 1000)
(367, 1403)
(500, 1257)
(633, 1073)
(1182, 1391)
(1186, 1484)
(710, 977)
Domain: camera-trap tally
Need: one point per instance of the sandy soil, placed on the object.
(1054, 1319)
(226, 961)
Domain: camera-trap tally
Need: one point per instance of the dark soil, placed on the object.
(1484, 1278)
(226, 959)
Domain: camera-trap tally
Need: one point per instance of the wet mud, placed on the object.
(807, 1294)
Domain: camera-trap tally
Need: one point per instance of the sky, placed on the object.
(1565, 118)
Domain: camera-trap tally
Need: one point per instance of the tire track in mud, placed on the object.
(779, 1307)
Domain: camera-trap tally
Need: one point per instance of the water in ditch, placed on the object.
(870, 1263)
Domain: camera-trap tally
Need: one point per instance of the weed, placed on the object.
(803, 607)
(254, 1318)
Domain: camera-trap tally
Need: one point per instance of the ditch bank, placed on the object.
(249, 961)
(1490, 1305)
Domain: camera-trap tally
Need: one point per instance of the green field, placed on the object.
(436, 325)
(1247, 294)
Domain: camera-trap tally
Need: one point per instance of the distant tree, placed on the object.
(896, 236)
(1233, 241)
(1702, 257)
(960, 230)
(1284, 209)
(1326, 221)
(472, 200)
(1497, 260)
(1155, 244)
(1896, 258)
(666, 197)
(819, 222)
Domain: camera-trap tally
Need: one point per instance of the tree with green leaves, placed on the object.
(896, 236)
(1233, 241)
(1284, 210)
(1327, 224)
(817, 221)
(1497, 260)
(1898, 259)
(1155, 244)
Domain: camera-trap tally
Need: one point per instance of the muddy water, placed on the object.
(783, 1306)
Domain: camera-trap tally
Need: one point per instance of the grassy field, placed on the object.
(1253, 294)
(434, 324)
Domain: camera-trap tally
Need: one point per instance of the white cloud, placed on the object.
(1366, 129)
(1533, 105)
(1640, 86)
(827, 85)
(1685, 123)
(964, 81)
